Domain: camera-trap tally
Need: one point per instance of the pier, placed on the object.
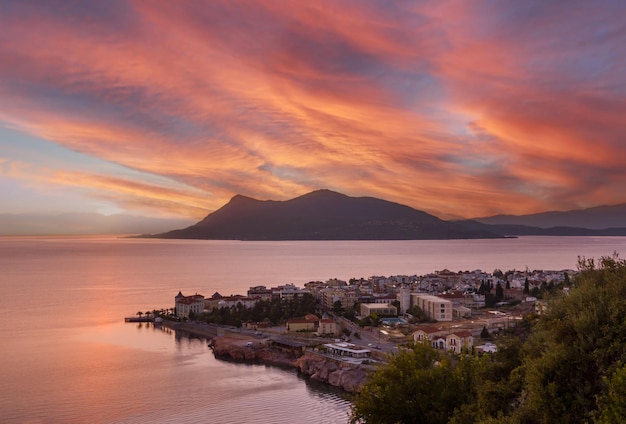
(139, 319)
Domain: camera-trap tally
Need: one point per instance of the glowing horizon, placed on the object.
(170, 109)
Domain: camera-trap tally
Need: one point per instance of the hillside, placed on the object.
(323, 215)
(597, 218)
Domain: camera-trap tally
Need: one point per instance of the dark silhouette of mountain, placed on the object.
(598, 218)
(322, 215)
(525, 230)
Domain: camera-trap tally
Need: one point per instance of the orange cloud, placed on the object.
(454, 108)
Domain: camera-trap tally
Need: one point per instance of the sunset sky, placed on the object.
(170, 108)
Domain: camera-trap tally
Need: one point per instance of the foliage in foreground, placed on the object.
(570, 369)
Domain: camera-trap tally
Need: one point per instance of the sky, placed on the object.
(169, 109)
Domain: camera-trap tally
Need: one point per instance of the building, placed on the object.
(403, 295)
(314, 324)
(346, 297)
(459, 340)
(287, 291)
(327, 326)
(261, 292)
(425, 334)
(347, 350)
(380, 309)
(301, 325)
(218, 301)
(185, 305)
(436, 308)
(444, 340)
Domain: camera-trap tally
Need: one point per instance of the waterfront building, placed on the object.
(261, 292)
(217, 301)
(347, 349)
(184, 305)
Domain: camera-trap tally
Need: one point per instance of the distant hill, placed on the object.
(597, 218)
(526, 230)
(84, 223)
(323, 215)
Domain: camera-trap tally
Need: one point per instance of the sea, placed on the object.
(69, 357)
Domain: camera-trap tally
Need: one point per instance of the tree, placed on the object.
(576, 346)
(396, 303)
(139, 314)
(526, 286)
(484, 334)
(419, 316)
(499, 292)
(416, 386)
(337, 307)
(613, 401)
(567, 366)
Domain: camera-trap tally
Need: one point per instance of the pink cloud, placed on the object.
(450, 107)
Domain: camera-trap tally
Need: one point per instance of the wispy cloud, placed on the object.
(467, 109)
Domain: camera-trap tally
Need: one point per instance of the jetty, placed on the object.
(139, 319)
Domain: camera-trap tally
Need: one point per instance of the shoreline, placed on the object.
(227, 344)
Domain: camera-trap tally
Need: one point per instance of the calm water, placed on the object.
(68, 357)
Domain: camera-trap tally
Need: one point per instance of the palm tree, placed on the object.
(139, 314)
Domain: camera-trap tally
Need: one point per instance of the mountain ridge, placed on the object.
(595, 218)
(323, 215)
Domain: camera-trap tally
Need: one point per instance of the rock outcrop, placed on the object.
(349, 377)
(257, 351)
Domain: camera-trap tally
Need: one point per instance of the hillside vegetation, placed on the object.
(565, 366)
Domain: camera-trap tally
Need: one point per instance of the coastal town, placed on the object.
(352, 325)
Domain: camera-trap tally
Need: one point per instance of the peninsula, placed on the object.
(339, 331)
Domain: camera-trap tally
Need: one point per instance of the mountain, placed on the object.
(601, 217)
(83, 223)
(322, 215)
(526, 230)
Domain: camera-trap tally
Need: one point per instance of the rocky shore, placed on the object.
(349, 377)
(238, 347)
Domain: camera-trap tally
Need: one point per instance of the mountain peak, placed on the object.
(322, 215)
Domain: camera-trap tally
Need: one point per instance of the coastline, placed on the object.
(229, 344)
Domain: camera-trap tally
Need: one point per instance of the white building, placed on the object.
(404, 297)
(435, 307)
(184, 305)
